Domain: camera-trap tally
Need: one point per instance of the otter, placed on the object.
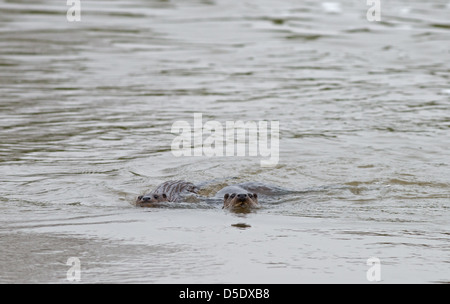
(171, 191)
(240, 200)
(238, 196)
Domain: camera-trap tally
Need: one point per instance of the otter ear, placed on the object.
(255, 195)
(226, 196)
(164, 195)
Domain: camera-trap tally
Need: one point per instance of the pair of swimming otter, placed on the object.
(175, 191)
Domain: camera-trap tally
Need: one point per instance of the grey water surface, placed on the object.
(86, 111)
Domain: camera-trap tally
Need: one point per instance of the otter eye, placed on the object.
(140, 197)
(156, 197)
(250, 195)
(233, 195)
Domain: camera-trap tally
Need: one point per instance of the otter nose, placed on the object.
(242, 196)
(146, 198)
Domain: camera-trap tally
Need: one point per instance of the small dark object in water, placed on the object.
(241, 225)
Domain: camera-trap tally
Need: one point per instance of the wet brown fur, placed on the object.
(170, 191)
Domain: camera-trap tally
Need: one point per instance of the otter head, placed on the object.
(149, 199)
(241, 200)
